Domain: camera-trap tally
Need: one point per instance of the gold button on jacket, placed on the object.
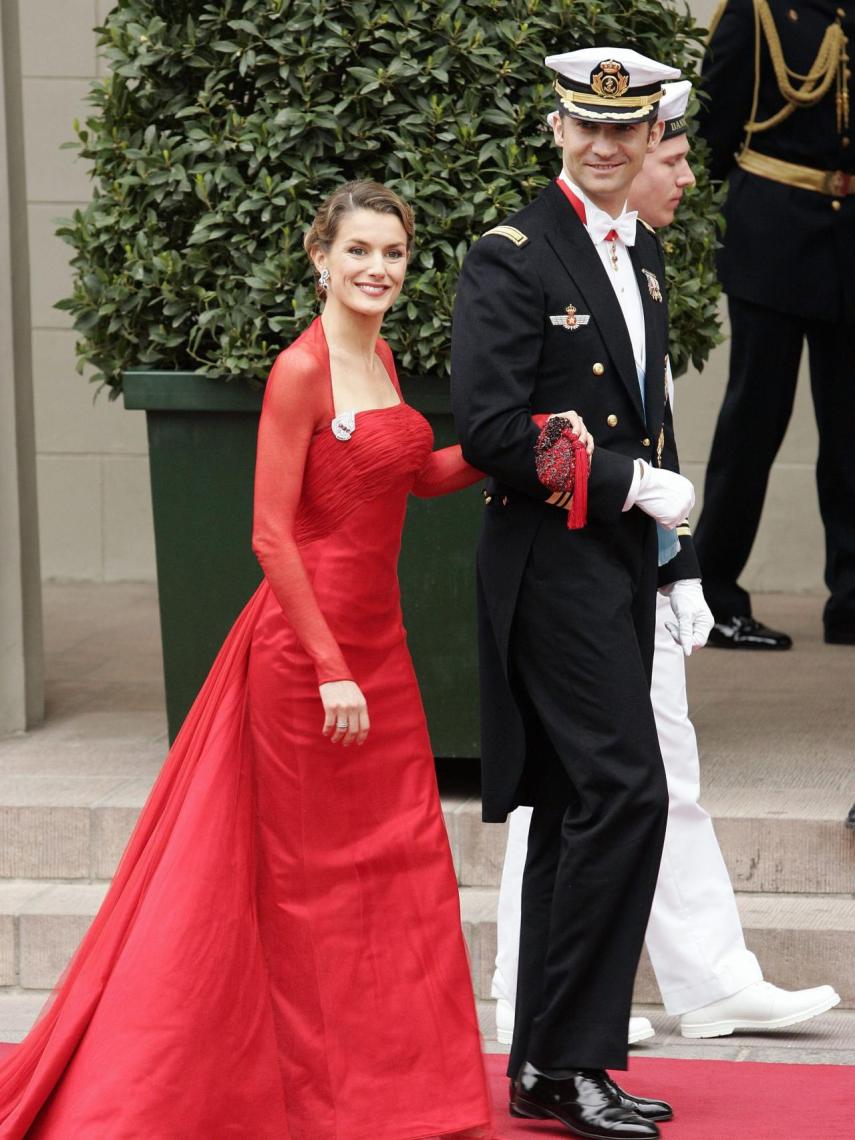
(612, 420)
(645, 442)
(598, 369)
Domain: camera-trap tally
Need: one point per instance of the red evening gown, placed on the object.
(280, 952)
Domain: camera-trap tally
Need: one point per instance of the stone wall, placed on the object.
(94, 507)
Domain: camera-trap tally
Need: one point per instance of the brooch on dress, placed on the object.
(344, 425)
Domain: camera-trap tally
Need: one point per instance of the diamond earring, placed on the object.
(324, 279)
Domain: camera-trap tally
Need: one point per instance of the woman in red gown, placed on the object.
(280, 953)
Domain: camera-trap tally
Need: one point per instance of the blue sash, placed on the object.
(669, 543)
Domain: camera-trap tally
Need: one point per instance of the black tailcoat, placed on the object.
(566, 618)
(510, 361)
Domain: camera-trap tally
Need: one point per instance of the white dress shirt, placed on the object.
(628, 294)
(622, 279)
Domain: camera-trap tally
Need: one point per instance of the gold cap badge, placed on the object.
(610, 80)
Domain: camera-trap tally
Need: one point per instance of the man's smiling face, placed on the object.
(604, 158)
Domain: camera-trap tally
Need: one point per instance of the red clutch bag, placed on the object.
(562, 466)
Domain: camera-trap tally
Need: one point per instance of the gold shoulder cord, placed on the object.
(831, 63)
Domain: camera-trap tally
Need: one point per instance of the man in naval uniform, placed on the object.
(707, 975)
(784, 142)
(565, 306)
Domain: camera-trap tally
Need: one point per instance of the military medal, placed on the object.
(613, 253)
(653, 285)
(570, 319)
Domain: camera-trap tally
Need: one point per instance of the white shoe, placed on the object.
(640, 1028)
(759, 1006)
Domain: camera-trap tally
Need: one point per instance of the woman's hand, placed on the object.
(345, 712)
(578, 426)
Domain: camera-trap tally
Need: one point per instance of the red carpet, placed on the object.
(714, 1100)
(718, 1100)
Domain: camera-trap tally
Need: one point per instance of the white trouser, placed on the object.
(694, 936)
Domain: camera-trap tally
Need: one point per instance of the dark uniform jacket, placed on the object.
(785, 248)
(510, 361)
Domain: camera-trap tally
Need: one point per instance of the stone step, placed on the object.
(18, 1012)
(41, 924)
(781, 841)
(800, 940)
(57, 826)
(77, 831)
(75, 828)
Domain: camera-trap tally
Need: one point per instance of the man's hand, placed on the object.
(694, 617)
(664, 495)
(577, 425)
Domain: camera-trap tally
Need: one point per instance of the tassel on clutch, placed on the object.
(562, 465)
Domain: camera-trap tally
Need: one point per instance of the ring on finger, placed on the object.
(341, 724)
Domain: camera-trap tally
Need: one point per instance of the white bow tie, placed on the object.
(624, 226)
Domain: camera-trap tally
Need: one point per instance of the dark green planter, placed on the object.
(201, 437)
(437, 572)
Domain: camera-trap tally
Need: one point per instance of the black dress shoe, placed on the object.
(746, 633)
(850, 819)
(587, 1102)
(646, 1107)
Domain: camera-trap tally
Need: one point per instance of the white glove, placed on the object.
(694, 617)
(664, 495)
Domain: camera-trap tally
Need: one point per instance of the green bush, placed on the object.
(222, 125)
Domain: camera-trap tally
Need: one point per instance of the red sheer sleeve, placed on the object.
(294, 404)
(445, 471)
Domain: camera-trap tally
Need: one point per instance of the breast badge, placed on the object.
(653, 285)
(570, 319)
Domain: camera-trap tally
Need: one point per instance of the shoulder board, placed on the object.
(647, 226)
(509, 232)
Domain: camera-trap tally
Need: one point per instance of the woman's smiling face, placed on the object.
(367, 261)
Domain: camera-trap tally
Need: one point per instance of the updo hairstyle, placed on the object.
(361, 195)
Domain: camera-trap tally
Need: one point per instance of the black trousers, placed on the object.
(765, 351)
(581, 652)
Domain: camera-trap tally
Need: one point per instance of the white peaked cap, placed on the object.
(610, 84)
(675, 100)
(578, 65)
(672, 105)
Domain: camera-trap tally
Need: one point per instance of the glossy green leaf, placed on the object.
(221, 126)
